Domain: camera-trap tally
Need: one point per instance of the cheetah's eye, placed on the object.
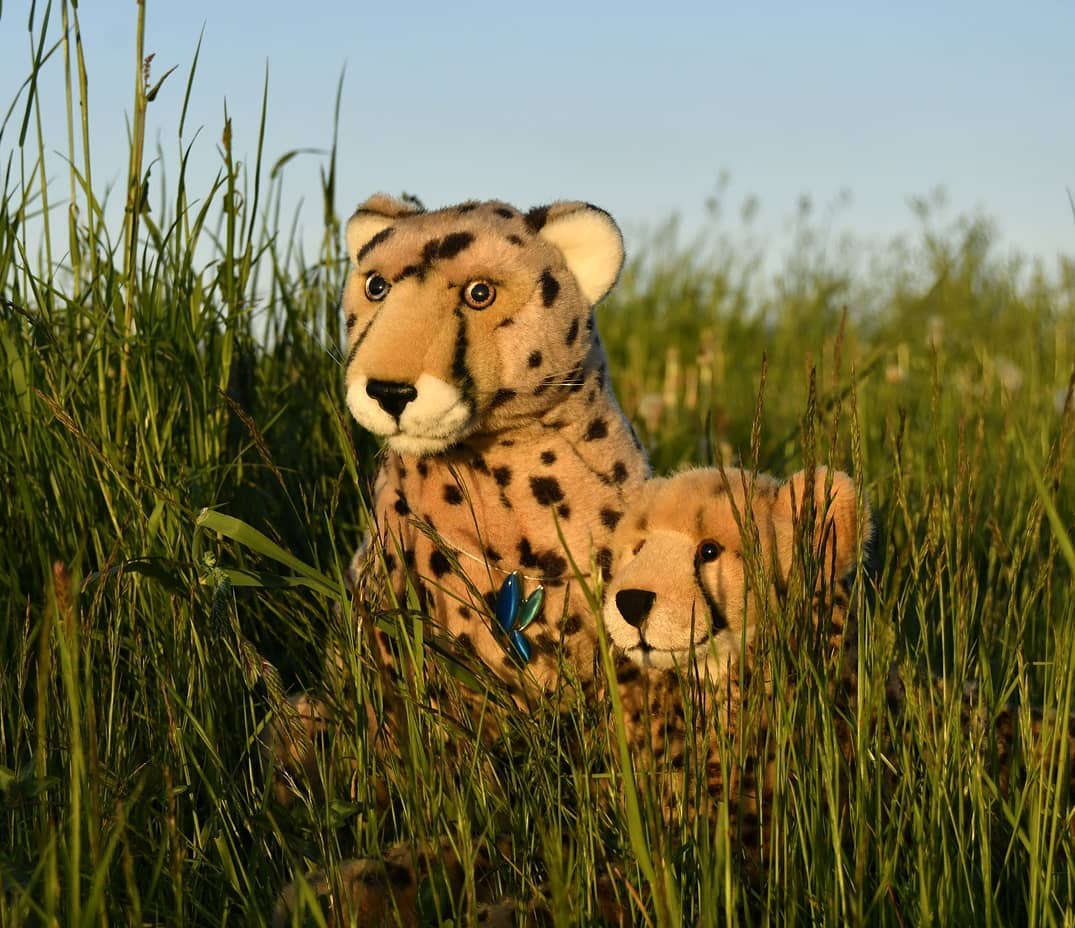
(709, 550)
(377, 287)
(479, 294)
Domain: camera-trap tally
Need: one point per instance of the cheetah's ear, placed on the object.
(836, 527)
(588, 239)
(373, 216)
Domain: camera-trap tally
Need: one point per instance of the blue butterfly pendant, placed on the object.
(513, 615)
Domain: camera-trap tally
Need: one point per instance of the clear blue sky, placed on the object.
(636, 107)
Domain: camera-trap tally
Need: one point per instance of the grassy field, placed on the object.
(141, 652)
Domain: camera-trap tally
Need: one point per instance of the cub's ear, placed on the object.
(372, 218)
(589, 241)
(836, 527)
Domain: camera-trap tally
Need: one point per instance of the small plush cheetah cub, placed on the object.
(686, 589)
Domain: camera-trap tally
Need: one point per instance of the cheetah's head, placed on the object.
(464, 320)
(681, 588)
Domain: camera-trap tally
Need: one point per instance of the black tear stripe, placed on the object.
(464, 380)
(454, 244)
(372, 243)
(504, 212)
(361, 338)
(717, 619)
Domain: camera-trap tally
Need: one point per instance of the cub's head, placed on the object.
(683, 587)
(467, 319)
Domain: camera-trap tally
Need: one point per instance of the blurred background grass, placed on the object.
(145, 382)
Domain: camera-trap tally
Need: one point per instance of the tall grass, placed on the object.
(142, 651)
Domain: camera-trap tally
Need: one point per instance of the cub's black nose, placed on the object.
(392, 396)
(634, 605)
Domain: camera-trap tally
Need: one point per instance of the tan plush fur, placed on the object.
(501, 428)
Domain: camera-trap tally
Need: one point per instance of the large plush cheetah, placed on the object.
(472, 352)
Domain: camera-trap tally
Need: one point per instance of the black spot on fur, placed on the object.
(492, 554)
(546, 490)
(411, 270)
(548, 457)
(515, 240)
(563, 511)
(590, 323)
(373, 243)
(527, 556)
(534, 360)
(550, 288)
(596, 430)
(552, 564)
(610, 518)
(504, 212)
(572, 333)
(423, 467)
(438, 563)
(627, 673)
(619, 473)
(453, 496)
(502, 476)
(389, 561)
(401, 505)
(572, 624)
(454, 244)
(546, 644)
(467, 207)
(352, 319)
(429, 251)
(504, 323)
(536, 218)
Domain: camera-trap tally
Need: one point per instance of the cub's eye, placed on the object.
(709, 550)
(479, 294)
(377, 287)
(638, 547)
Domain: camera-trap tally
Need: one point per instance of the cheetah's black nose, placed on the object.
(634, 605)
(392, 396)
